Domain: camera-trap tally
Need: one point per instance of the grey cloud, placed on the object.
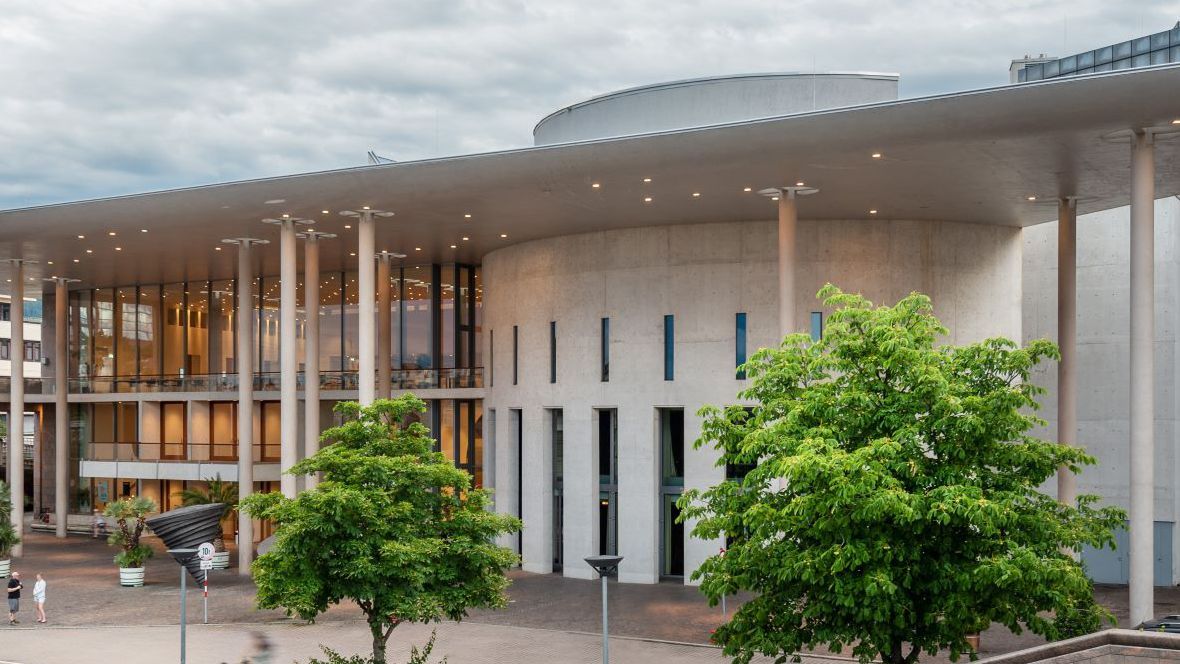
(104, 97)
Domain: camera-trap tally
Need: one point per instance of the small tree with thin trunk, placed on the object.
(394, 526)
(892, 504)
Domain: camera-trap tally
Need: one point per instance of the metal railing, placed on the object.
(29, 447)
(403, 379)
(174, 452)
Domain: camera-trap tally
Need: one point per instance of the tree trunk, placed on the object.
(379, 639)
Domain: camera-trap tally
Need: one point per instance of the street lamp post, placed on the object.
(606, 566)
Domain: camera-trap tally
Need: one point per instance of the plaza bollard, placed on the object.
(606, 566)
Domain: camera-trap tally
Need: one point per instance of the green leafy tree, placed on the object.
(892, 505)
(8, 535)
(215, 490)
(394, 526)
(129, 515)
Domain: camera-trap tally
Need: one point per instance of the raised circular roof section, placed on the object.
(710, 101)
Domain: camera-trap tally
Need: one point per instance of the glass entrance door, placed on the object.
(671, 486)
(556, 436)
(608, 481)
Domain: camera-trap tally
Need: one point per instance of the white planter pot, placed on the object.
(131, 577)
(5, 568)
(221, 560)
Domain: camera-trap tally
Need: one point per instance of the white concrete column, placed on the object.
(384, 329)
(788, 219)
(244, 360)
(61, 407)
(288, 354)
(366, 300)
(579, 476)
(1142, 376)
(311, 345)
(639, 494)
(537, 501)
(1067, 374)
(16, 403)
(700, 472)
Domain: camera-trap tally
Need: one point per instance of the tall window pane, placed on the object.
(416, 334)
(605, 350)
(81, 342)
(740, 345)
(197, 329)
(552, 351)
(395, 318)
(331, 323)
(446, 304)
(173, 429)
(268, 326)
(221, 327)
(669, 347)
(351, 323)
(173, 337)
(104, 332)
(223, 429)
(478, 322)
(817, 325)
(149, 323)
(126, 319)
(515, 348)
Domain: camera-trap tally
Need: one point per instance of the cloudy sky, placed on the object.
(106, 97)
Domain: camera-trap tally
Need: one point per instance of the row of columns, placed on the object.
(1142, 326)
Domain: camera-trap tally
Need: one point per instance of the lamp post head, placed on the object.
(604, 565)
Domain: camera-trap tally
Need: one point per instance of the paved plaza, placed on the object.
(549, 619)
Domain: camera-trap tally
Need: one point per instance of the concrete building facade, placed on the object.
(568, 310)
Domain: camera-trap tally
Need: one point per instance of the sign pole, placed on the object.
(183, 614)
(206, 600)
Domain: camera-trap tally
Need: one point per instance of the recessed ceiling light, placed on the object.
(216, 248)
(748, 189)
(77, 261)
(274, 201)
(365, 207)
(696, 194)
(872, 212)
(118, 248)
(647, 199)
(1176, 121)
(453, 246)
(348, 225)
(876, 155)
(325, 212)
(90, 251)
(503, 235)
(1032, 198)
(774, 198)
(417, 248)
(647, 179)
(143, 230)
(111, 233)
(352, 253)
(596, 185)
(49, 262)
(467, 215)
(465, 238)
(799, 183)
(81, 237)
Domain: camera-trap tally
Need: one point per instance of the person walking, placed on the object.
(39, 598)
(14, 587)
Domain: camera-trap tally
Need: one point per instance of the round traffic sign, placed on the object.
(205, 551)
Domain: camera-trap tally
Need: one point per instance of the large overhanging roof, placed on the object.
(970, 157)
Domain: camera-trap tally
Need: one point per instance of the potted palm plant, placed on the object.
(216, 491)
(8, 535)
(129, 515)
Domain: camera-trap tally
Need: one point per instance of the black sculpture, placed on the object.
(188, 528)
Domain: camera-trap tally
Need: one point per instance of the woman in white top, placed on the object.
(39, 598)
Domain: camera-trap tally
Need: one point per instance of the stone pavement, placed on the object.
(215, 644)
(84, 592)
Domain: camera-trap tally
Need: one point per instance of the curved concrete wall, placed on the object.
(708, 101)
(703, 275)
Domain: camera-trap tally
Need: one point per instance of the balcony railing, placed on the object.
(169, 452)
(406, 379)
(29, 447)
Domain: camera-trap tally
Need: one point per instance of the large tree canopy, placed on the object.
(393, 526)
(893, 506)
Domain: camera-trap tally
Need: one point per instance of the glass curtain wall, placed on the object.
(188, 329)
